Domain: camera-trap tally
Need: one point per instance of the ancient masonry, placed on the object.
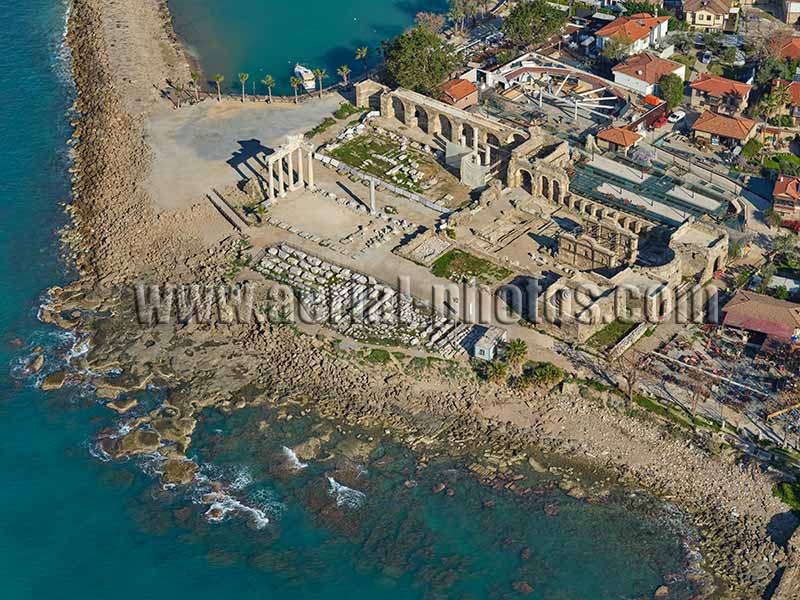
(359, 307)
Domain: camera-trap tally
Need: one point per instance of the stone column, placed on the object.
(434, 124)
(291, 170)
(300, 175)
(281, 188)
(372, 196)
(458, 134)
(488, 155)
(475, 135)
(411, 115)
(271, 182)
(311, 169)
(387, 109)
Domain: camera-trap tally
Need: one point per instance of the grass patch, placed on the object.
(325, 125)
(459, 266)
(346, 110)
(611, 334)
(379, 357)
(789, 493)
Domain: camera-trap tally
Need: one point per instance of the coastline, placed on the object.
(117, 237)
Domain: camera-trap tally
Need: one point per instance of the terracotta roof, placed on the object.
(763, 314)
(791, 49)
(457, 89)
(632, 28)
(729, 127)
(794, 90)
(787, 186)
(647, 67)
(715, 7)
(720, 86)
(619, 136)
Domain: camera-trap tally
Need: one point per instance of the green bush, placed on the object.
(788, 493)
(346, 110)
(326, 124)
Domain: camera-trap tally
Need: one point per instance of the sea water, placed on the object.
(74, 524)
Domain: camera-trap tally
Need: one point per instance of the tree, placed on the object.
(196, 85)
(179, 90)
(532, 22)
(617, 48)
(516, 352)
(432, 21)
(496, 371)
(780, 96)
(671, 89)
(243, 77)
(344, 73)
(773, 218)
(269, 82)
(418, 60)
(295, 82)
(728, 55)
(361, 54)
(629, 365)
(320, 74)
(218, 79)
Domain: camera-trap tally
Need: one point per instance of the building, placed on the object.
(639, 32)
(710, 15)
(786, 196)
(642, 72)
(719, 129)
(459, 93)
(792, 107)
(719, 94)
(791, 12)
(487, 345)
(618, 139)
(790, 49)
(770, 322)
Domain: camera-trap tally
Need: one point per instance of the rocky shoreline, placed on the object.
(117, 238)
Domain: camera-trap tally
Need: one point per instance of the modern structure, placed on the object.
(786, 196)
(636, 32)
(642, 72)
(720, 95)
(719, 129)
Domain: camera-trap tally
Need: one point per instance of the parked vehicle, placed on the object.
(677, 116)
(660, 123)
(706, 58)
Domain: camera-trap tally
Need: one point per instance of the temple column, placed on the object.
(458, 134)
(291, 171)
(311, 169)
(271, 182)
(475, 135)
(434, 123)
(281, 180)
(411, 115)
(488, 155)
(300, 175)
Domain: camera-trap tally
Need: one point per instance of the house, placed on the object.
(486, 346)
(792, 107)
(459, 93)
(618, 139)
(786, 196)
(720, 94)
(791, 12)
(710, 15)
(642, 72)
(771, 322)
(638, 32)
(790, 49)
(719, 129)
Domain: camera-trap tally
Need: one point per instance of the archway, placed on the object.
(516, 139)
(492, 140)
(399, 110)
(422, 120)
(717, 264)
(526, 181)
(556, 192)
(545, 187)
(469, 135)
(446, 127)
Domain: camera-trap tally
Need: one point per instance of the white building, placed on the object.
(638, 32)
(642, 72)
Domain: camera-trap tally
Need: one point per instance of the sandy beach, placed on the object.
(132, 222)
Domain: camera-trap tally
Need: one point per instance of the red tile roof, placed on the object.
(715, 7)
(787, 186)
(647, 67)
(737, 128)
(790, 49)
(720, 86)
(763, 314)
(456, 90)
(632, 28)
(619, 136)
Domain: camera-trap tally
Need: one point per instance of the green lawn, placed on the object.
(789, 493)
(459, 266)
(611, 334)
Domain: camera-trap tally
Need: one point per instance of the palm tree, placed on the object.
(269, 82)
(361, 54)
(496, 371)
(218, 79)
(773, 218)
(179, 89)
(781, 97)
(516, 352)
(344, 73)
(196, 85)
(320, 74)
(296, 82)
(243, 77)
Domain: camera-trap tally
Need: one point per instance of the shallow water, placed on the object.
(75, 526)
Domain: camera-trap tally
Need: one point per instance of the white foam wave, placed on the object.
(292, 461)
(242, 478)
(346, 496)
(226, 504)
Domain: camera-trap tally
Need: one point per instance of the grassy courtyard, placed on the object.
(459, 266)
(611, 334)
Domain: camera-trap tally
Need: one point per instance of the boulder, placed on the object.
(139, 442)
(54, 381)
(179, 472)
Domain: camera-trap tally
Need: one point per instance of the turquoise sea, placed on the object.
(73, 525)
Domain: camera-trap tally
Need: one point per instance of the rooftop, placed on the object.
(787, 186)
(619, 136)
(762, 314)
(790, 48)
(737, 128)
(720, 86)
(456, 90)
(793, 87)
(647, 67)
(715, 7)
(632, 28)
